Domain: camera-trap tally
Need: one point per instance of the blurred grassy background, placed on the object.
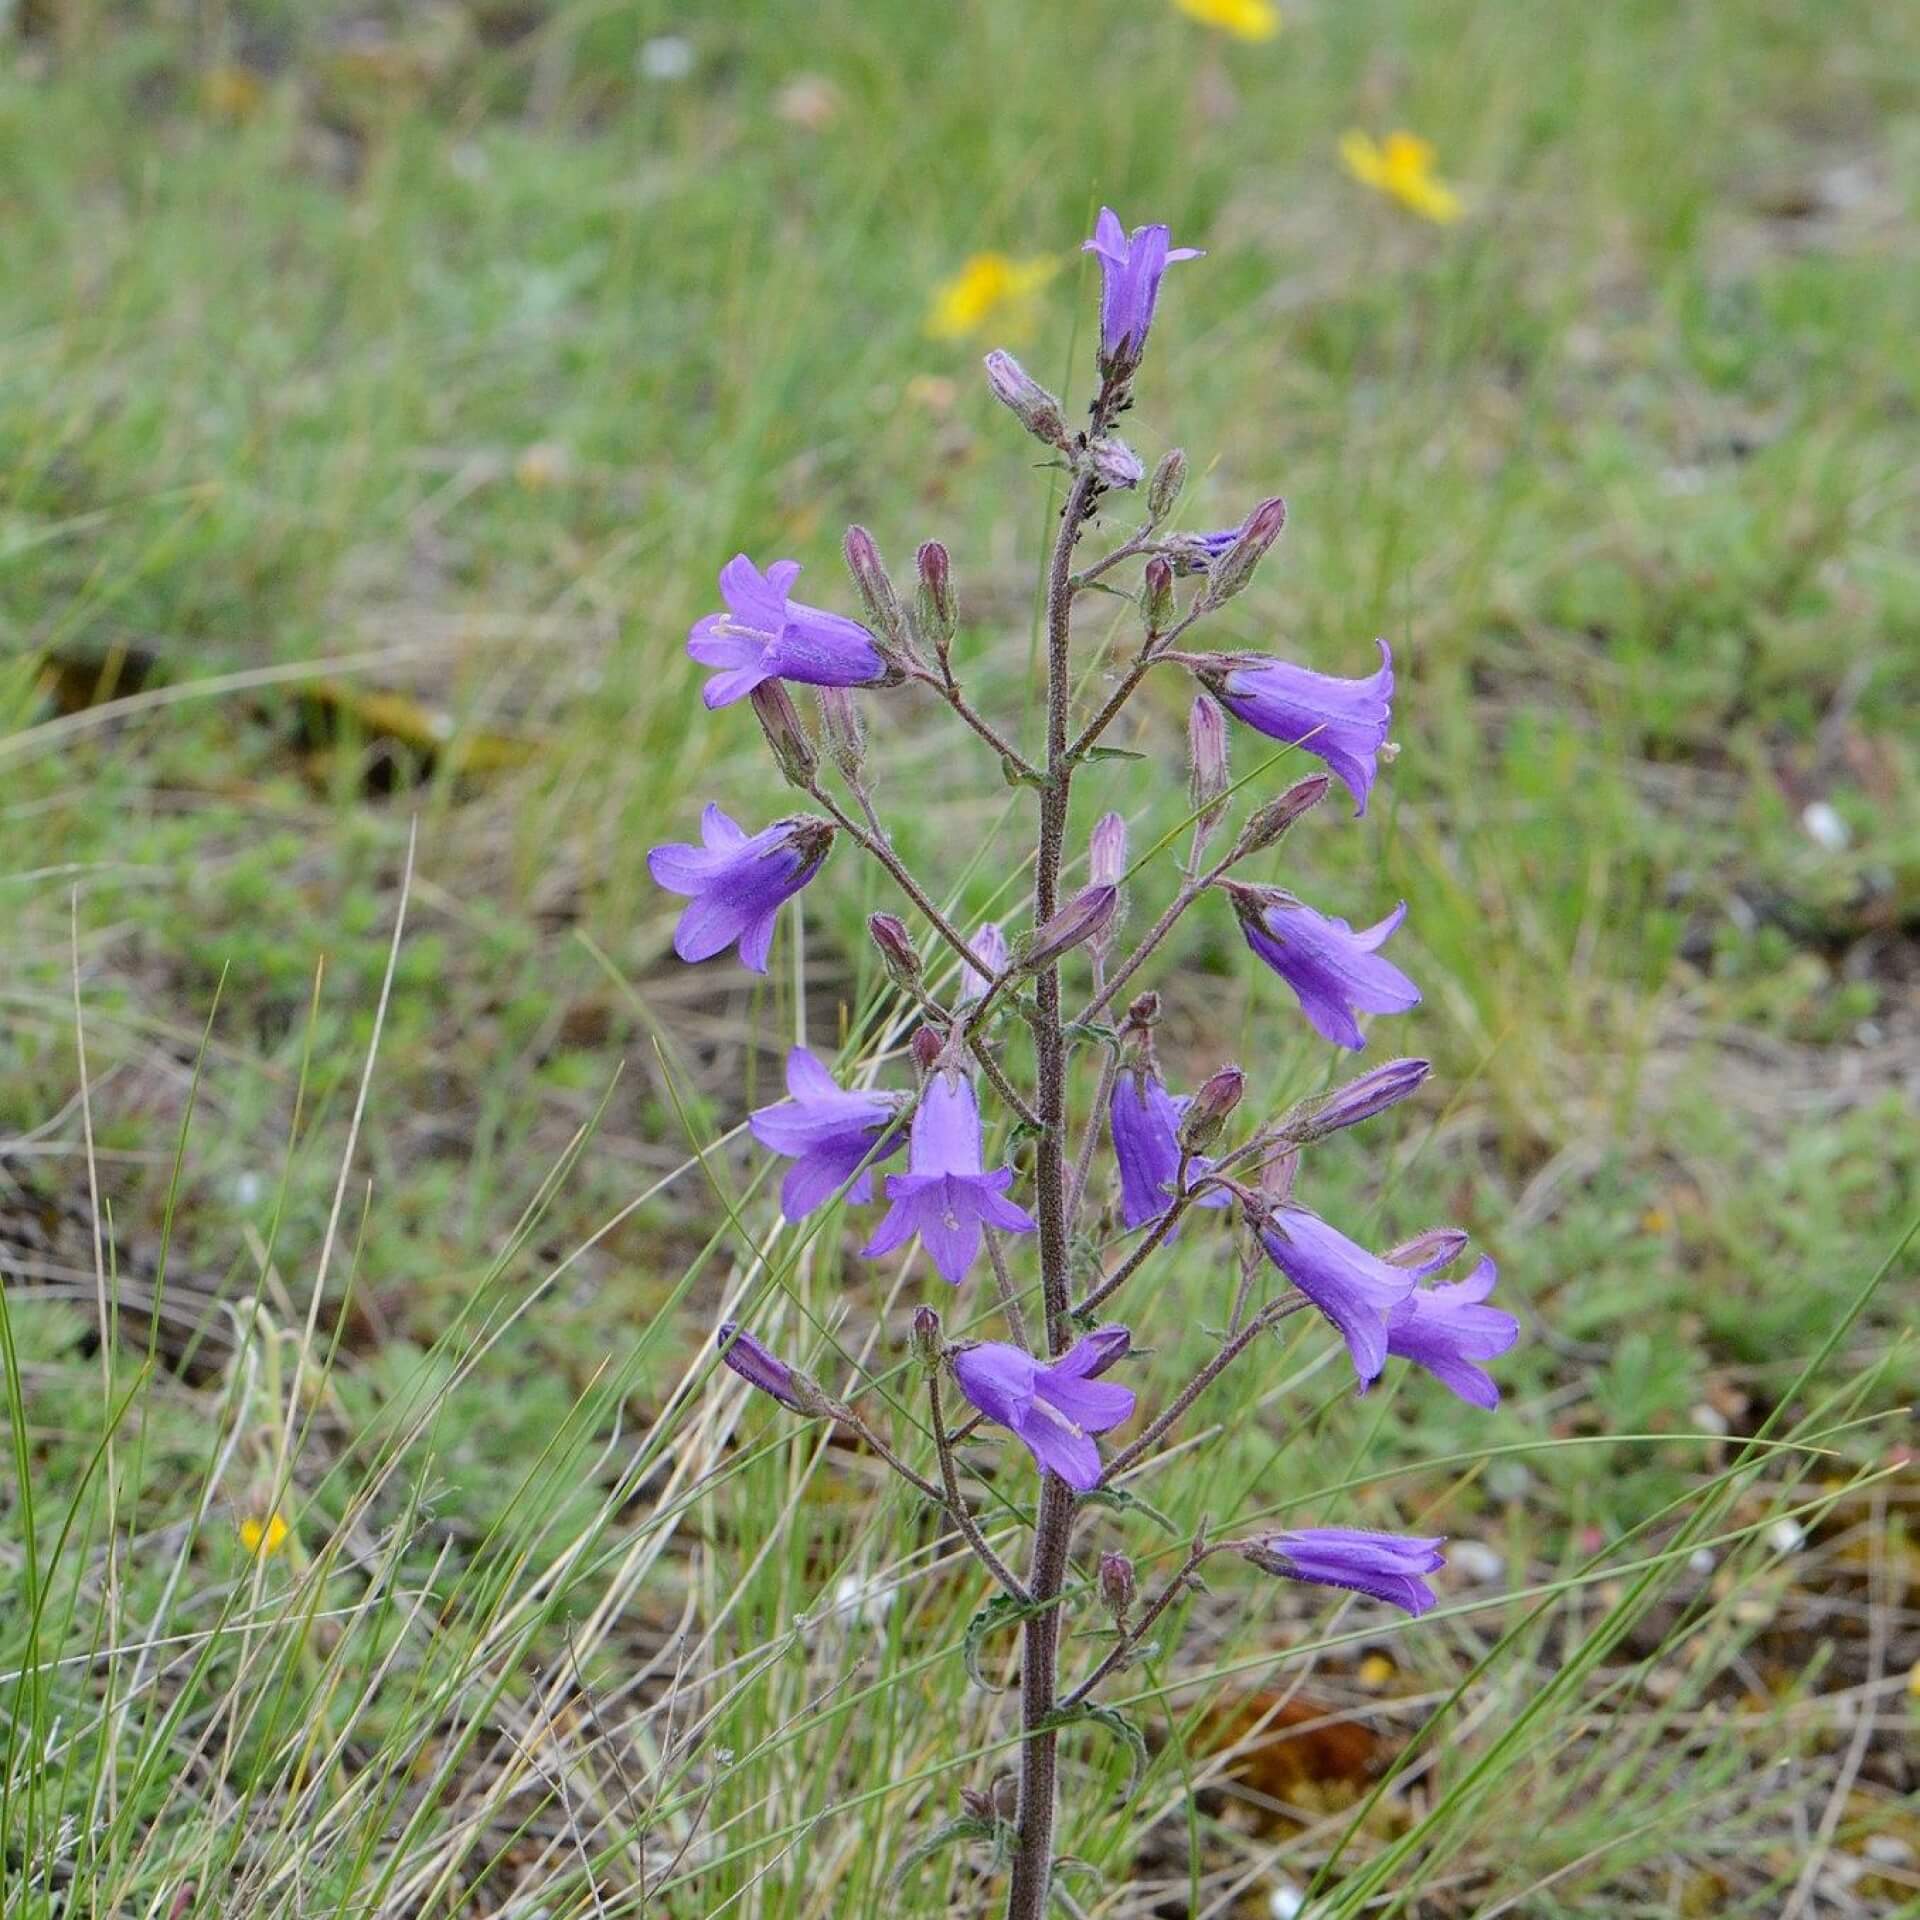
(380, 389)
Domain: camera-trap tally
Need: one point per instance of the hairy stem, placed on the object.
(949, 691)
(1032, 1876)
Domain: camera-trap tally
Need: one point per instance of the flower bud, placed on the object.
(1437, 1247)
(933, 605)
(927, 1343)
(1115, 464)
(1106, 1346)
(926, 1047)
(843, 732)
(1035, 408)
(1358, 1100)
(1164, 488)
(760, 1367)
(1209, 778)
(975, 1804)
(1107, 851)
(1236, 567)
(1117, 1587)
(1276, 1177)
(1156, 602)
(875, 588)
(1088, 913)
(989, 947)
(1144, 1011)
(889, 933)
(1267, 825)
(780, 721)
(1006, 1796)
(1207, 1111)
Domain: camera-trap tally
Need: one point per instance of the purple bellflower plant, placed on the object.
(1145, 1122)
(1334, 971)
(1389, 1566)
(830, 1136)
(1130, 269)
(738, 882)
(1343, 722)
(1012, 1031)
(1052, 1410)
(766, 635)
(945, 1196)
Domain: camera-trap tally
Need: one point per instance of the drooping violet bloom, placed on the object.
(1343, 722)
(1335, 971)
(1107, 1346)
(1389, 1566)
(1145, 1119)
(1054, 1410)
(989, 947)
(758, 1365)
(944, 1196)
(1130, 270)
(1447, 1329)
(738, 883)
(1355, 1289)
(765, 635)
(827, 1133)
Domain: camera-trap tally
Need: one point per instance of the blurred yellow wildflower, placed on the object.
(1244, 19)
(263, 1538)
(1401, 166)
(991, 287)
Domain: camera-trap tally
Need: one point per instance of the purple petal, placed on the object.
(946, 1126)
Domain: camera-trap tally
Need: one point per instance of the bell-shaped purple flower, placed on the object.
(765, 635)
(1130, 270)
(1335, 971)
(1355, 1289)
(827, 1133)
(1145, 1119)
(1343, 722)
(1389, 1566)
(1448, 1329)
(1054, 1410)
(944, 1196)
(738, 882)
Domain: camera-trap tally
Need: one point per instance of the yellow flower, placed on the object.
(1244, 19)
(261, 1540)
(990, 287)
(1401, 166)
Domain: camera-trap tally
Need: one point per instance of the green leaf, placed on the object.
(1001, 1611)
(1121, 1501)
(1113, 753)
(1018, 777)
(1116, 1723)
(966, 1827)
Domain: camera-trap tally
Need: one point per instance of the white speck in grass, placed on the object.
(1285, 1901)
(247, 1189)
(859, 1597)
(1700, 1562)
(1786, 1536)
(666, 57)
(1475, 1561)
(1708, 1419)
(1824, 826)
(1509, 1480)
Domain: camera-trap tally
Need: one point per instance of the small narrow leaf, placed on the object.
(966, 1827)
(1001, 1611)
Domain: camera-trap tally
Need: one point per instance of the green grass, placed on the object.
(450, 360)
